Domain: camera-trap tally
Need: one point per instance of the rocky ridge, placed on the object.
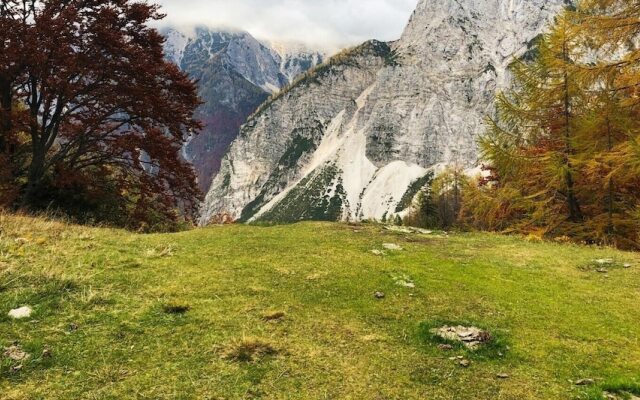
(350, 141)
(235, 74)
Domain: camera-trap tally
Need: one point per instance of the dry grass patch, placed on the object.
(249, 350)
(176, 307)
(274, 316)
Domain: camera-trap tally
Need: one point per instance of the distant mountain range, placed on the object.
(235, 73)
(358, 138)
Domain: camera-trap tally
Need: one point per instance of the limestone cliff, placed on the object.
(351, 140)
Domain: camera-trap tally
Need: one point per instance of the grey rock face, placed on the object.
(263, 160)
(295, 59)
(378, 120)
(235, 74)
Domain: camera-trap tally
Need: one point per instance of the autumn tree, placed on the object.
(438, 204)
(531, 141)
(95, 114)
(609, 137)
(563, 145)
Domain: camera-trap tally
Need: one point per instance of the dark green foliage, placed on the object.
(299, 147)
(415, 187)
(532, 49)
(302, 143)
(438, 206)
(227, 181)
(311, 200)
(391, 59)
(397, 220)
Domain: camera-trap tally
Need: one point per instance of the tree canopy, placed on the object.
(563, 144)
(92, 117)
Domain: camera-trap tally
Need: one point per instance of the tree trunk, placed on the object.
(34, 181)
(575, 213)
(5, 114)
(610, 199)
(36, 171)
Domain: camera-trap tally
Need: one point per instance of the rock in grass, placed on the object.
(445, 347)
(21, 241)
(404, 281)
(15, 353)
(470, 336)
(502, 376)
(377, 252)
(623, 396)
(407, 284)
(585, 382)
(379, 295)
(603, 270)
(465, 363)
(627, 265)
(20, 313)
(392, 247)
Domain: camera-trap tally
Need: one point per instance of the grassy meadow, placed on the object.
(291, 312)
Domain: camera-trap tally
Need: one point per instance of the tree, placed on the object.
(438, 204)
(103, 113)
(563, 145)
(531, 142)
(607, 139)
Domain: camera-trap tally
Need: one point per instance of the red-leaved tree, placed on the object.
(92, 116)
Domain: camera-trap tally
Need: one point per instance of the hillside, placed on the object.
(242, 312)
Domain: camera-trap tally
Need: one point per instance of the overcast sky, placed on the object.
(326, 23)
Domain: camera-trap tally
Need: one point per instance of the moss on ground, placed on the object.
(100, 329)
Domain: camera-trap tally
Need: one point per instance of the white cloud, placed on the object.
(327, 23)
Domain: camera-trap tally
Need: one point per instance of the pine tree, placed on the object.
(531, 142)
(563, 145)
(611, 79)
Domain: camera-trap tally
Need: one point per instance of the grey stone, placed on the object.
(20, 313)
(15, 353)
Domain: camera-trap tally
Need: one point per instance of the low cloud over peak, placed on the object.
(329, 24)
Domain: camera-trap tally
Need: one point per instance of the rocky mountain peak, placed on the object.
(235, 74)
(357, 140)
(296, 58)
(448, 33)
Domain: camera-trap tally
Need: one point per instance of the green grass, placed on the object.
(625, 389)
(288, 312)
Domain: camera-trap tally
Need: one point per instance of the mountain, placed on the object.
(235, 74)
(358, 135)
(295, 58)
